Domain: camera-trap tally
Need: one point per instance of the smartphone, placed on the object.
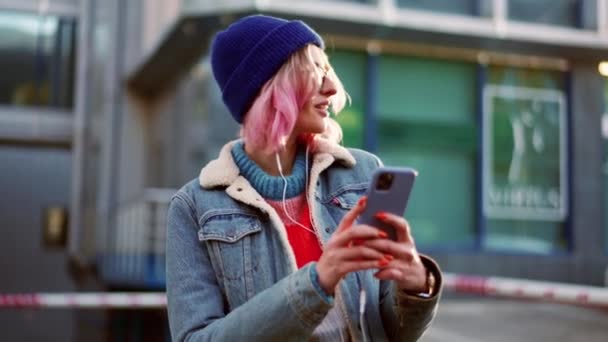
(388, 191)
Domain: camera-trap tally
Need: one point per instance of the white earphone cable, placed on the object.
(362, 301)
(285, 191)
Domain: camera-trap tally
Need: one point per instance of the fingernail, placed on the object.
(362, 201)
(382, 235)
(383, 262)
(380, 216)
(389, 257)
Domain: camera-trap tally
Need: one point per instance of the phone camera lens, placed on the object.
(385, 181)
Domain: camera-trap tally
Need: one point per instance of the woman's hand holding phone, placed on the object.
(357, 247)
(406, 267)
(340, 256)
(388, 195)
(381, 240)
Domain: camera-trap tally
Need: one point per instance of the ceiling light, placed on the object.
(603, 68)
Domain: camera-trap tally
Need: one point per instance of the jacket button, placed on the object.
(327, 229)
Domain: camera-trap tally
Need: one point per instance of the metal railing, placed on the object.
(134, 253)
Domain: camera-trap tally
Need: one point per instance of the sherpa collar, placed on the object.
(223, 171)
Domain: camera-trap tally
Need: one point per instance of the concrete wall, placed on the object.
(32, 179)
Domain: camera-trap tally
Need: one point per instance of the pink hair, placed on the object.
(272, 116)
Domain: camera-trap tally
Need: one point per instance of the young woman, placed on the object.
(265, 245)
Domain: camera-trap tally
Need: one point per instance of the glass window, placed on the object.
(358, 1)
(525, 190)
(464, 7)
(571, 13)
(37, 59)
(350, 67)
(426, 120)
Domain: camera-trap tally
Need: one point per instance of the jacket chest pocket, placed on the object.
(339, 203)
(231, 241)
(347, 199)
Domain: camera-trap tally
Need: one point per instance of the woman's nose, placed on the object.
(328, 87)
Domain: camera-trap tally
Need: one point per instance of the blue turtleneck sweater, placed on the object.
(271, 187)
(333, 327)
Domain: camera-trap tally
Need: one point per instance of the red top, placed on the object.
(304, 243)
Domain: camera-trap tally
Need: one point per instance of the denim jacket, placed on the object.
(232, 275)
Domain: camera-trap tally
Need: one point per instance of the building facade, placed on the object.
(107, 107)
(498, 104)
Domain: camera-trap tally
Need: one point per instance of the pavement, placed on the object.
(473, 319)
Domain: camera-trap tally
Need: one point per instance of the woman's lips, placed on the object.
(323, 107)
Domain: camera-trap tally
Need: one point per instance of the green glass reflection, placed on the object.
(538, 120)
(426, 120)
(428, 90)
(441, 206)
(350, 67)
(525, 236)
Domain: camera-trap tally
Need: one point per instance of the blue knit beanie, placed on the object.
(250, 51)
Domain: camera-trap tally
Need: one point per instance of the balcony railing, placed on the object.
(134, 251)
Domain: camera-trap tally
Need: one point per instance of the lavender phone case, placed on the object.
(393, 200)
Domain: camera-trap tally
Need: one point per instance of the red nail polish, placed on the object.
(362, 201)
(382, 262)
(389, 257)
(382, 234)
(381, 216)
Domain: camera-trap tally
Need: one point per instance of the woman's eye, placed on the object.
(323, 70)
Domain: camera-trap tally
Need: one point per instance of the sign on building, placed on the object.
(524, 153)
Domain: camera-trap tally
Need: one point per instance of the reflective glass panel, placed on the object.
(464, 7)
(350, 66)
(570, 13)
(426, 120)
(37, 59)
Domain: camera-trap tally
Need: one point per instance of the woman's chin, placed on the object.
(317, 128)
(321, 127)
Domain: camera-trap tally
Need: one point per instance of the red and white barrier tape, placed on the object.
(485, 286)
(527, 289)
(85, 300)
